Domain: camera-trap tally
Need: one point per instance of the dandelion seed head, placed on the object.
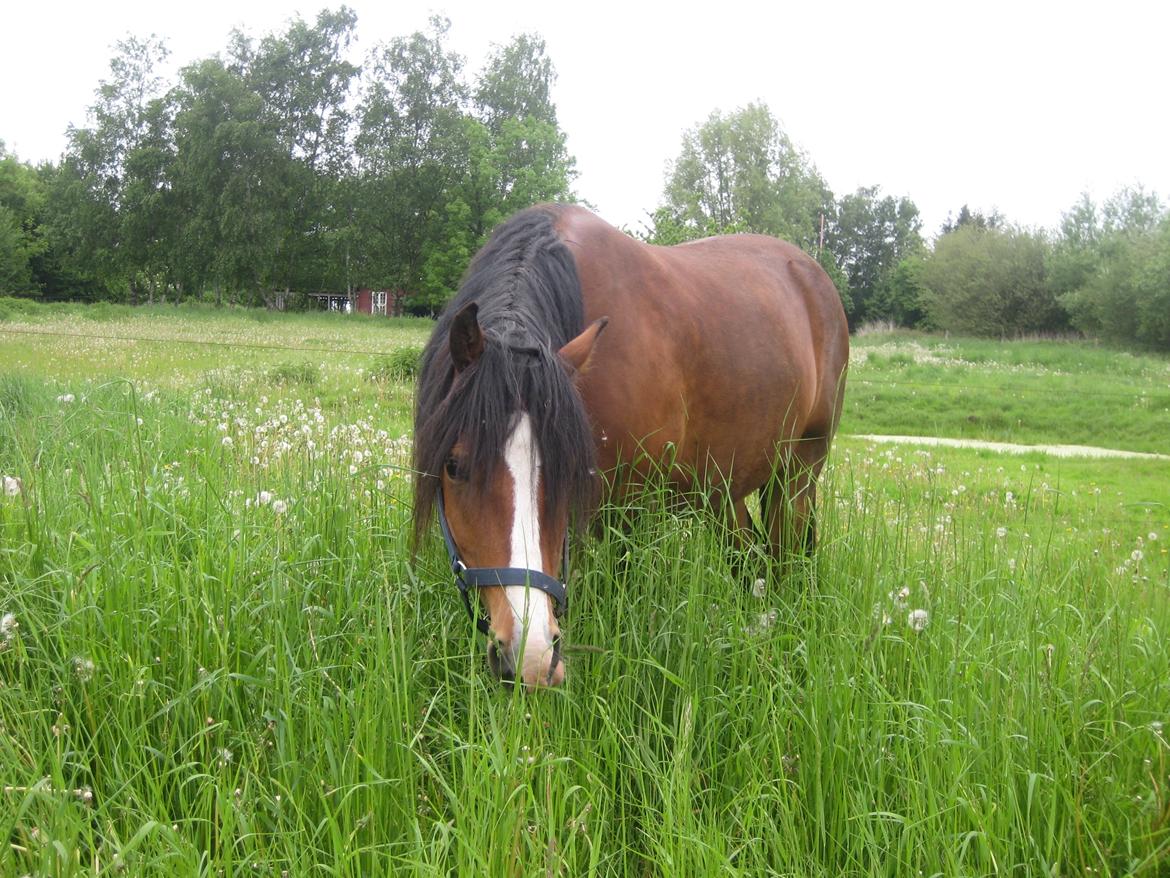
(12, 485)
(918, 619)
(279, 507)
(1000, 533)
(84, 668)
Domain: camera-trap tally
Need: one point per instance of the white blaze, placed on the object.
(530, 606)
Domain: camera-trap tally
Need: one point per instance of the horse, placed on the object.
(575, 360)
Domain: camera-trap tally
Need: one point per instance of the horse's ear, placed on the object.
(576, 353)
(466, 339)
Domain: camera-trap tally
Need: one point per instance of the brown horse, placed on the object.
(572, 350)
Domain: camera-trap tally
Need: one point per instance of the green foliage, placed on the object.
(741, 172)
(22, 241)
(302, 374)
(266, 168)
(401, 364)
(898, 296)
(870, 236)
(991, 282)
(1112, 268)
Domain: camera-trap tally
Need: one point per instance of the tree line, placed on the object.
(1105, 272)
(279, 167)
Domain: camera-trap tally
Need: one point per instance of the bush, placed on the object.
(15, 307)
(401, 364)
(306, 374)
(990, 282)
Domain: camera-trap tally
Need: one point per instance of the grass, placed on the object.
(1026, 391)
(220, 659)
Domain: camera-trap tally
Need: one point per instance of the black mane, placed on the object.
(529, 296)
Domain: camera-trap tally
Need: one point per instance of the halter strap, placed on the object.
(468, 578)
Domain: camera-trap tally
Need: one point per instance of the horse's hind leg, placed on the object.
(788, 500)
(740, 532)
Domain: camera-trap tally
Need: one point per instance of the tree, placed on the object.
(1111, 268)
(968, 217)
(870, 236)
(741, 172)
(111, 199)
(991, 282)
(410, 152)
(515, 153)
(305, 83)
(899, 295)
(516, 84)
(22, 241)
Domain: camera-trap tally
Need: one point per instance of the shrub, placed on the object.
(990, 282)
(401, 364)
(306, 374)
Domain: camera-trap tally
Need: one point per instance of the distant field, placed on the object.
(216, 656)
(1021, 391)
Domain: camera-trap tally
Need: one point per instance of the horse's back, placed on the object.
(721, 348)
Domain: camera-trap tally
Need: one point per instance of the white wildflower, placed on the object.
(227, 442)
(66, 398)
(1000, 533)
(8, 626)
(1136, 554)
(264, 498)
(12, 485)
(352, 470)
(225, 757)
(918, 619)
(84, 668)
(1152, 537)
(279, 507)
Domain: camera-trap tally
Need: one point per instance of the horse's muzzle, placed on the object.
(541, 671)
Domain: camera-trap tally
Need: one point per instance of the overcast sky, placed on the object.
(1015, 106)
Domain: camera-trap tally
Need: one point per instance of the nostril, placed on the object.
(498, 661)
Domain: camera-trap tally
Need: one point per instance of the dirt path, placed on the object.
(1013, 448)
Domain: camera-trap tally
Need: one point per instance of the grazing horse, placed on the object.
(574, 355)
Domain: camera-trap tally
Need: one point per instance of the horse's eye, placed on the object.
(453, 469)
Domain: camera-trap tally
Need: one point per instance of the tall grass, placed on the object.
(221, 660)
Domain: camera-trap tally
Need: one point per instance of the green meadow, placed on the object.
(217, 656)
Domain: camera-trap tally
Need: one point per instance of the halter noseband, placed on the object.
(467, 578)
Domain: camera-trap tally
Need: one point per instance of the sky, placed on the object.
(1013, 106)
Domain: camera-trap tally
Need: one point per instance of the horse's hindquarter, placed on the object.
(715, 351)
